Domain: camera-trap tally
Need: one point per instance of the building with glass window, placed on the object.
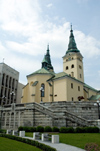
(45, 85)
(9, 84)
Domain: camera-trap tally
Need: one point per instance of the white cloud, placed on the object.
(19, 16)
(49, 5)
(87, 45)
(23, 18)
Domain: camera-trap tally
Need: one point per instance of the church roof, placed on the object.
(94, 97)
(63, 74)
(41, 71)
(72, 47)
(89, 87)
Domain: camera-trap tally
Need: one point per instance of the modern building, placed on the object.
(9, 84)
(45, 85)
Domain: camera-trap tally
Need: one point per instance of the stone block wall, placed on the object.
(13, 116)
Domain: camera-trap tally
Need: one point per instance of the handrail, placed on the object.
(43, 109)
(77, 119)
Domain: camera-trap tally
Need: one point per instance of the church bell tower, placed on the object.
(73, 60)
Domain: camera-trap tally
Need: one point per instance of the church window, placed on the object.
(66, 67)
(80, 76)
(72, 58)
(80, 67)
(66, 59)
(72, 66)
(42, 89)
(72, 99)
(78, 88)
(72, 85)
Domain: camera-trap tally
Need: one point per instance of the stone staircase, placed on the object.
(60, 113)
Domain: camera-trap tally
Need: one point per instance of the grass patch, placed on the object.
(79, 139)
(76, 139)
(12, 145)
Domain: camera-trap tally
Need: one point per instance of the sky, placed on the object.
(28, 26)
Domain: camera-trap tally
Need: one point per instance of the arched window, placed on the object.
(72, 66)
(66, 67)
(72, 85)
(42, 90)
(72, 99)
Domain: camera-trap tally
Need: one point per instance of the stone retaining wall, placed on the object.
(31, 114)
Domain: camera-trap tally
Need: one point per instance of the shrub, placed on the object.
(80, 130)
(40, 129)
(32, 129)
(92, 147)
(66, 130)
(27, 129)
(55, 129)
(2, 131)
(47, 129)
(91, 129)
(63, 130)
(20, 128)
(70, 130)
(31, 142)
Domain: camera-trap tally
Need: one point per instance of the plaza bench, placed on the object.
(46, 137)
(9, 132)
(52, 138)
(15, 133)
(36, 135)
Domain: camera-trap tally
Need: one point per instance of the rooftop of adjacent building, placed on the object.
(3, 65)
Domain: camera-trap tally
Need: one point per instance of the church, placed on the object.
(45, 85)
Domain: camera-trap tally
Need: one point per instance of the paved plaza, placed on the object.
(59, 146)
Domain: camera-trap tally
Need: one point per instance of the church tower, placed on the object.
(46, 63)
(73, 60)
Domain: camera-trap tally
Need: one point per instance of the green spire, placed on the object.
(46, 63)
(72, 44)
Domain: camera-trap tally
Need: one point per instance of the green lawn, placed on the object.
(12, 145)
(80, 139)
(77, 139)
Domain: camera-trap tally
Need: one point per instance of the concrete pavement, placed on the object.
(59, 146)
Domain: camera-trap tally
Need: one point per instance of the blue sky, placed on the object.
(27, 26)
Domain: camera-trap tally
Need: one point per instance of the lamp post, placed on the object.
(12, 94)
(98, 105)
(41, 90)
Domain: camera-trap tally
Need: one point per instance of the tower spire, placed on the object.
(46, 63)
(71, 26)
(72, 47)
